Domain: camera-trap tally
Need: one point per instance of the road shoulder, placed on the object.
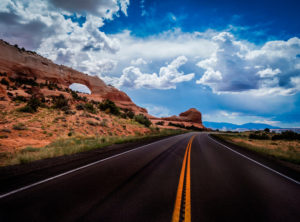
(16, 176)
(283, 167)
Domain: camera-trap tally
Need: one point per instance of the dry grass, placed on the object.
(280, 149)
(75, 144)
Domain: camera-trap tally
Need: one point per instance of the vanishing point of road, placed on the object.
(189, 177)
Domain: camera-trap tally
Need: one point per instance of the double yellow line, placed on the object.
(185, 176)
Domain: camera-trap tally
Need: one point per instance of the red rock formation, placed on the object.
(191, 115)
(187, 118)
(21, 63)
(16, 62)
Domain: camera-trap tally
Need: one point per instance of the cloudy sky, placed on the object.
(235, 61)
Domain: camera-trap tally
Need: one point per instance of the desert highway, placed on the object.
(189, 177)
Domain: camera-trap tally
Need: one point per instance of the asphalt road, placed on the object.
(188, 177)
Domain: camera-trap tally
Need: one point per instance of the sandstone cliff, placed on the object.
(21, 63)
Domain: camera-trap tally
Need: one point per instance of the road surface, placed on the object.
(188, 177)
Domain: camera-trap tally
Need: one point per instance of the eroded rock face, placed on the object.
(191, 115)
(20, 63)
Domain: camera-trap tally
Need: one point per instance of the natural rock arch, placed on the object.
(82, 88)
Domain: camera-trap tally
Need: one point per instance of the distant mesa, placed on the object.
(191, 115)
(190, 119)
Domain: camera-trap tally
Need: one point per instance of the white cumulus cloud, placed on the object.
(167, 78)
(238, 66)
(139, 61)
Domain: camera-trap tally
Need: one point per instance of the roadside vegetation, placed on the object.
(283, 146)
(33, 117)
(182, 126)
(76, 144)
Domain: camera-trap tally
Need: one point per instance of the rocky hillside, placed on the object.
(19, 63)
(37, 106)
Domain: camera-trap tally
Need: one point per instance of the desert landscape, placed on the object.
(149, 110)
(38, 107)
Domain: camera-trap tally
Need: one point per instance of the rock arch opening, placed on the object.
(78, 87)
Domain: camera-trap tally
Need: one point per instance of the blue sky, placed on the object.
(235, 61)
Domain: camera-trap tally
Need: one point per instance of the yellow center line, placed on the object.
(176, 212)
(187, 215)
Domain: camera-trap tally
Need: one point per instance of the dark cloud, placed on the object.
(28, 35)
(9, 18)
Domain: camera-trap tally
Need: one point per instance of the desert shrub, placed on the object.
(10, 94)
(90, 108)
(287, 135)
(19, 126)
(95, 102)
(74, 95)
(26, 109)
(6, 130)
(53, 86)
(109, 107)
(70, 112)
(29, 91)
(29, 149)
(4, 82)
(60, 102)
(32, 105)
(130, 114)
(80, 106)
(42, 99)
(20, 99)
(256, 136)
(3, 74)
(65, 108)
(140, 118)
(123, 115)
(92, 123)
(194, 128)
(160, 123)
(176, 125)
(103, 123)
(19, 81)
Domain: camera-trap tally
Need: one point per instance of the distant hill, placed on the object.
(231, 126)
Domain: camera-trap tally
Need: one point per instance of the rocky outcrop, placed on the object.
(187, 118)
(191, 115)
(19, 62)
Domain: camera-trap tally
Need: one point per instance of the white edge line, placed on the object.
(274, 171)
(76, 169)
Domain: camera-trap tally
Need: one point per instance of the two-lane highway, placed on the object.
(188, 177)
